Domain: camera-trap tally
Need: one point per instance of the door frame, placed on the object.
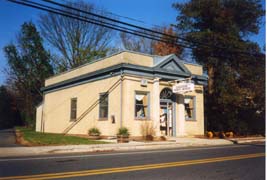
(173, 103)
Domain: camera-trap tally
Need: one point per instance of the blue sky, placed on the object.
(158, 12)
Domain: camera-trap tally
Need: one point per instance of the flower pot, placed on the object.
(149, 138)
(94, 137)
(222, 135)
(122, 139)
(210, 134)
(229, 134)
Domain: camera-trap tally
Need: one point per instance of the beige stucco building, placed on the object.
(127, 89)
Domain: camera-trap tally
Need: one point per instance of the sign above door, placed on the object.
(183, 87)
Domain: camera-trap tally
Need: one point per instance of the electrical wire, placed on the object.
(142, 28)
(94, 21)
(153, 36)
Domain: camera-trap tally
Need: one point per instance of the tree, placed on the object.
(162, 48)
(28, 66)
(77, 42)
(219, 30)
(136, 43)
(145, 45)
(218, 23)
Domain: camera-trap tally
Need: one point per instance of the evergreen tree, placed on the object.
(219, 30)
(28, 66)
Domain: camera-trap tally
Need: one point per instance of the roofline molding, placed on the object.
(119, 69)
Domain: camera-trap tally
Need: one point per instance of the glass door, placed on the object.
(166, 118)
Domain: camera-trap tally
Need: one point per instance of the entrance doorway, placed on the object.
(167, 112)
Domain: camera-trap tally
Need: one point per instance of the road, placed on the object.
(246, 162)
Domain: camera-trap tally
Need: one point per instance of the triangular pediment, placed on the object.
(173, 64)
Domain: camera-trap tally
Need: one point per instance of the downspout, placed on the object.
(42, 116)
(121, 98)
(42, 121)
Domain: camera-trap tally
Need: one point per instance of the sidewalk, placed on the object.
(133, 145)
(8, 138)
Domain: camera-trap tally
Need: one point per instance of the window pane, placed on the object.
(73, 109)
(189, 107)
(103, 106)
(145, 100)
(141, 105)
(188, 111)
(104, 99)
(103, 112)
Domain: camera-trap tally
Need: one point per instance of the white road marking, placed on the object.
(119, 153)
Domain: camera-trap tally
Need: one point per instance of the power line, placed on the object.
(94, 21)
(151, 36)
(78, 15)
(108, 18)
(142, 28)
(131, 25)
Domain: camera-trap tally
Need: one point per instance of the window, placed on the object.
(141, 105)
(103, 106)
(189, 105)
(73, 109)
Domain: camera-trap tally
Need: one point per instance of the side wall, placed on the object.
(194, 68)
(188, 127)
(130, 86)
(183, 127)
(196, 126)
(122, 57)
(56, 112)
(56, 109)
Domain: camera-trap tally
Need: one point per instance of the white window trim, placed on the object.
(148, 105)
(194, 109)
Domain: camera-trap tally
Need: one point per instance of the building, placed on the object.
(126, 89)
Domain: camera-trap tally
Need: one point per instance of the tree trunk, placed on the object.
(211, 79)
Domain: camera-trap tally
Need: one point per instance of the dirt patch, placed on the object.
(20, 140)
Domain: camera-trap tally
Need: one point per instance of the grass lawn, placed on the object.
(37, 138)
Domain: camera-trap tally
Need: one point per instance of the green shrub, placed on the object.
(94, 132)
(123, 131)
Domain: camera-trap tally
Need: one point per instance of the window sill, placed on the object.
(142, 119)
(191, 120)
(102, 119)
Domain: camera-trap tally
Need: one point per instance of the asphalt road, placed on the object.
(246, 162)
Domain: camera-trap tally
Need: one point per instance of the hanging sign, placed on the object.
(183, 87)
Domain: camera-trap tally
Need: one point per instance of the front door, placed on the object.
(166, 117)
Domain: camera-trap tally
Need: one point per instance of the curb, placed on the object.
(247, 140)
(6, 152)
(50, 150)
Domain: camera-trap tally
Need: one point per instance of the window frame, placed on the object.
(148, 105)
(194, 109)
(99, 114)
(71, 108)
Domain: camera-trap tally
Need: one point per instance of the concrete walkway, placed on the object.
(8, 138)
(133, 145)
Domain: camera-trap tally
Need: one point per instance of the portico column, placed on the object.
(156, 106)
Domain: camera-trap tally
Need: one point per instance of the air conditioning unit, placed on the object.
(143, 82)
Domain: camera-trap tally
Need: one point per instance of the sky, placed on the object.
(156, 12)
